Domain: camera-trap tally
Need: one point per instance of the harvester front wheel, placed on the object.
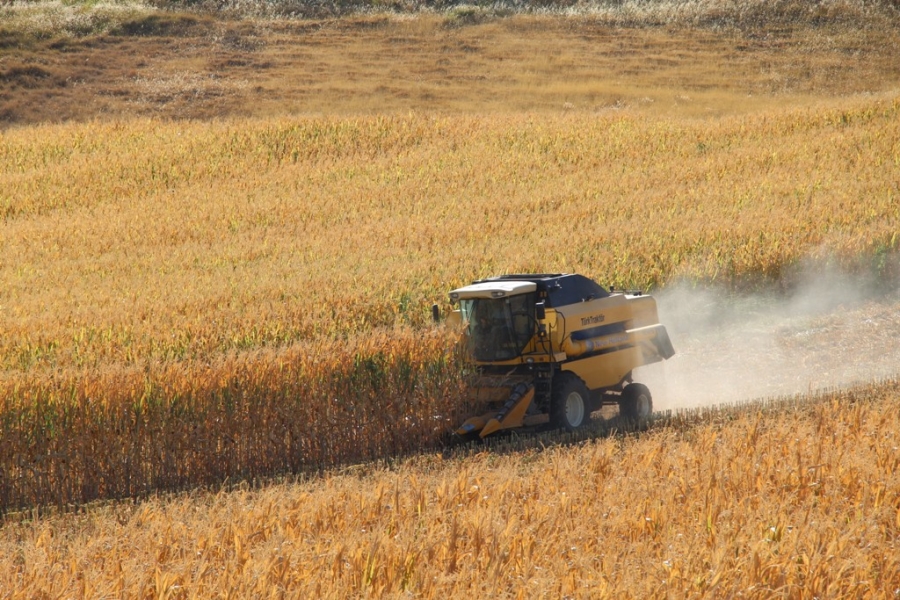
(636, 403)
(569, 408)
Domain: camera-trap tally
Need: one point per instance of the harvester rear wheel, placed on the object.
(570, 405)
(636, 403)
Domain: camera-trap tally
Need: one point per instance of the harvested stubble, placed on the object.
(800, 503)
(274, 244)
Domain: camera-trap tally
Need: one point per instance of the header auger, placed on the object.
(554, 348)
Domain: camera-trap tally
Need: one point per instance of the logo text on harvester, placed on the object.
(592, 320)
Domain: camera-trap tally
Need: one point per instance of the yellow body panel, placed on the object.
(632, 311)
(603, 311)
(605, 370)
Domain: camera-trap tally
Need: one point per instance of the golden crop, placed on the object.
(141, 240)
(185, 302)
(239, 303)
(797, 500)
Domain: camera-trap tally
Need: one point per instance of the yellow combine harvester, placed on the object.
(555, 348)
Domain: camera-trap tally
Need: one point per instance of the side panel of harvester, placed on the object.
(603, 340)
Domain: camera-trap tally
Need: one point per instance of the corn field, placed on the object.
(188, 303)
(794, 498)
(129, 434)
(218, 374)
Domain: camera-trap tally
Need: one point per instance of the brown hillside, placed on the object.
(175, 65)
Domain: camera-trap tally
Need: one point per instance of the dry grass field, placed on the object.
(221, 232)
(65, 61)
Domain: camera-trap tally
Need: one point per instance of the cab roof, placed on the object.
(493, 289)
(557, 289)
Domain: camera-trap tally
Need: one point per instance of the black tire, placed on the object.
(636, 403)
(570, 405)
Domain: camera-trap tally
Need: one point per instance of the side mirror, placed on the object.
(540, 311)
(435, 313)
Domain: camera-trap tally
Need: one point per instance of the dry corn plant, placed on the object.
(204, 281)
(129, 433)
(263, 233)
(800, 499)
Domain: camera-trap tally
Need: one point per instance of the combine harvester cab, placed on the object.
(555, 348)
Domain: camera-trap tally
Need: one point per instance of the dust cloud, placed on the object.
(833, 330)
